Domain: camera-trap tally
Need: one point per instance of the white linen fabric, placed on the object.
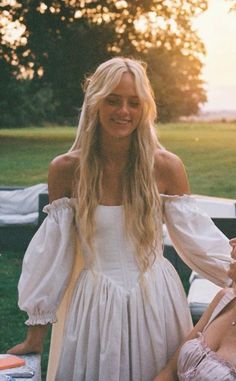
(19, 219)
(120, 325)
(21, 201)
(20, 206)
(47, 264)
(197, 240)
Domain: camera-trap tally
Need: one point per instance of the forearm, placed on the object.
(36, 335)
(169, 373)
(33, 342)
(166, 374)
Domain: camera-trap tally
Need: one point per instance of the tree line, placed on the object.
(42, 72)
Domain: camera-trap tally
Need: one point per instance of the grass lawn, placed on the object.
(12, 327)
(26, 153)
(209, 154)
(208, 151)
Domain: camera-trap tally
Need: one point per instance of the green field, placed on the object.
(209, 154)
(12, 328)
(207, 149)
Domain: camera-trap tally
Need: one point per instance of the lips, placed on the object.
(121, 121)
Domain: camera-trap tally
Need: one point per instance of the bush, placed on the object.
(25, 102)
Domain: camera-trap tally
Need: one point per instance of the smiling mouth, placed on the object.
(123, 121)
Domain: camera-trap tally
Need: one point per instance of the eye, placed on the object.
(134, 104)
(112, 101)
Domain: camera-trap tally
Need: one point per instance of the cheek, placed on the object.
(101, 117)
(103, 113)
(138, 116)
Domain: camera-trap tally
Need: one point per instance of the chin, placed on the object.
(122, 135)
(118, 132)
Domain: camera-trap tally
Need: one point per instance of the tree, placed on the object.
(64, 40)
(24, 102)
(176, 82)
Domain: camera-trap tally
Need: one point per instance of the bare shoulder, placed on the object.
(61, 175)
(220, 294)
(166, 160)
(171, 173)
(207, 314)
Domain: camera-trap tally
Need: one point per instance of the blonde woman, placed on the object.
(128, 311)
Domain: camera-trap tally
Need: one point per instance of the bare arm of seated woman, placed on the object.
(60, 182)
(169, 373)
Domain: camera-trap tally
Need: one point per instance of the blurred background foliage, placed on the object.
(48, 47)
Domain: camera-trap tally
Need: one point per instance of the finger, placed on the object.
(232, 271)
(233, 241)
(233, 253)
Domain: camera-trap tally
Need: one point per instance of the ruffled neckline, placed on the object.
(170, 197)
(60, 203)
(214, 355)
(70, 202)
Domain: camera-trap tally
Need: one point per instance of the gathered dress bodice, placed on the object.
(113, 253)
(121, 324)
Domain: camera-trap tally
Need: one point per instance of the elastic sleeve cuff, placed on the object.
(41, 319)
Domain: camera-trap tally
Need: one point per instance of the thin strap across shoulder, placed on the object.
(224, 301)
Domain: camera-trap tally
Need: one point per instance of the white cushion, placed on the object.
(21, 201)
(22, 219)
(201, 293)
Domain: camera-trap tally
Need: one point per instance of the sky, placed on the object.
(217, 28)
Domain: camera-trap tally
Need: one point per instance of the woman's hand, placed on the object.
(232, 266)
(33, 342)
(233, 244)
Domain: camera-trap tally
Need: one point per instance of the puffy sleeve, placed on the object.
(48, 263)
(197, 240)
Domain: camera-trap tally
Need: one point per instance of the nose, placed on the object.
(124, 109)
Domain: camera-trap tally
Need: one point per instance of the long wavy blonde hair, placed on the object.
(140, 196)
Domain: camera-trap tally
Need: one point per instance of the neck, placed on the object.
(114, 151)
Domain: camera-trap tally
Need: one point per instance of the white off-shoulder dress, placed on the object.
(117, 328)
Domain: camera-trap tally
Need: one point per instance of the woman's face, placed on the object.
(120, 112)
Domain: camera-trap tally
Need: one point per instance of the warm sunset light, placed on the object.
(217, 28)
(155, 22)
(167, 26)
(11, 30)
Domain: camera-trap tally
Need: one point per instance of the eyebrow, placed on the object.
(118, 96)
